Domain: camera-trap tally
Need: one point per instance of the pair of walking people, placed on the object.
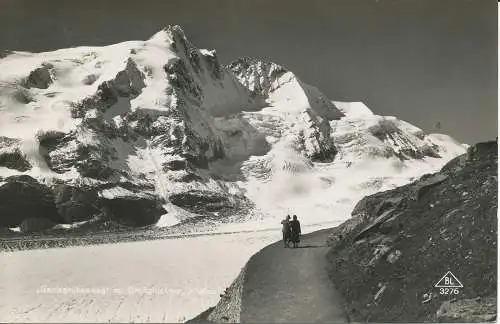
(291, 231)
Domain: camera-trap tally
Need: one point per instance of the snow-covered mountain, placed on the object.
(159, 132)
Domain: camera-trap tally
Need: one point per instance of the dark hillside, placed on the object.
(386, 260)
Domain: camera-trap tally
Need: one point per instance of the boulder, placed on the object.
(39, 78)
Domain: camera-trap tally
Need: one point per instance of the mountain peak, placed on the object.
(169, 125)
(172, 35)
(257, 75)
(246, 62)
(170, 31)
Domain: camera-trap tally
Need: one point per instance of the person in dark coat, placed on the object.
(295, 231)
(286, 230)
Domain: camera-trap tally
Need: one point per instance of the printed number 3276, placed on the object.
(449, 291)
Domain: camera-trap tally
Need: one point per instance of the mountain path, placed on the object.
(291, 285)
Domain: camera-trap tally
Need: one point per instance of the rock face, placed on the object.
(76, 203)
(130, 207)
(387, 258)
(41, 206)
(14, 160)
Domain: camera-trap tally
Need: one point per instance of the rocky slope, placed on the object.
(158, 132)
(388, 257)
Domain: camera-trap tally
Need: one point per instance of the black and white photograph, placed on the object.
(232, 161)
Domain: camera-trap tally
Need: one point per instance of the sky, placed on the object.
(424, 61)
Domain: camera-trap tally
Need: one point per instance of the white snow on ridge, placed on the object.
(448, 144)
(353, 109)
(207, 52)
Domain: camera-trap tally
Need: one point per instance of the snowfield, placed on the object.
(158, 132)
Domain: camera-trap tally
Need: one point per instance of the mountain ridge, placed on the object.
(160, 125)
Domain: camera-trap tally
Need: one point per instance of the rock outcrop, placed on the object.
(23, 197)
(261, 78)
(11, 156)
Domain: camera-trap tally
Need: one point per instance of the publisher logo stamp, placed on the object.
(449, 284)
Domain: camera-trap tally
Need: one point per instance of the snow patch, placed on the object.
(353, 109)
(119, 192)
(207, 52)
